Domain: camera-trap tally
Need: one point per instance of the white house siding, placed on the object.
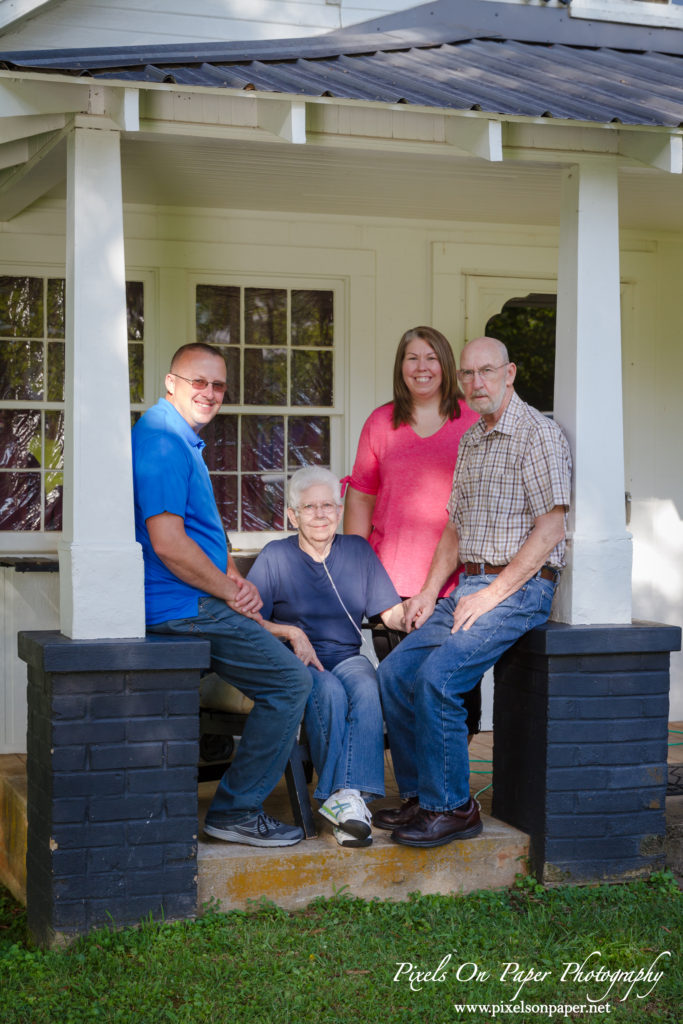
(73, 23)
(393, 274)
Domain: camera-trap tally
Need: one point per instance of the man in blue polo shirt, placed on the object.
(192, 586)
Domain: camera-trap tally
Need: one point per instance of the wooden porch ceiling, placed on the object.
(211, 173)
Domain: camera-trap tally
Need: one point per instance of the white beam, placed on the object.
(119, 107)
(596, 588)
(22, 185)
(12, 128)
(19, 97)
(13, 153)
(477, 136)
(286, 118)
(663, 152)
(101, 572)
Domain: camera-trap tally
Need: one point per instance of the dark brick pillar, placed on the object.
(580, 747)
(112, 780)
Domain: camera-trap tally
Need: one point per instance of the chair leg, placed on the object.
(295, 777)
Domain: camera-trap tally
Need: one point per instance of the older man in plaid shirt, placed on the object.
(507, 513)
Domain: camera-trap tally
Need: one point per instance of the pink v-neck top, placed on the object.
(412, 478)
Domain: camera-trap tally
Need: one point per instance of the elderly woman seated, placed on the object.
(316, 588)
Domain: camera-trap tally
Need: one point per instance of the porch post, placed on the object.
(101, 573)
(596, 587)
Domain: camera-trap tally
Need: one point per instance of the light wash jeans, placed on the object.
(345, 730)
(268, 672)
(423, 679)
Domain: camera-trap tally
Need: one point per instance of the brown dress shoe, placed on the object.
(393, 817)
(434, 828)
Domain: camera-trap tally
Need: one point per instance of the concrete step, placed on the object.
(293, 876)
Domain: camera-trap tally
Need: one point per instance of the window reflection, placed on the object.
(265, 376)
(20, 501)
(32, 357)
(312, 318)
(263, 442)
(311, 378)
(263, 501)
(21, 370)
(309, 441)
(217, 314)
(21, 307)
(265, 316)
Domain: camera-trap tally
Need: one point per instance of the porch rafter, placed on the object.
(32, 152)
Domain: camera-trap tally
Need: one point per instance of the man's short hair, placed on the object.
(195, 346)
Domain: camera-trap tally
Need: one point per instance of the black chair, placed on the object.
(219, 725)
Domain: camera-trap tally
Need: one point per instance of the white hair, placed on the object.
(309, 476)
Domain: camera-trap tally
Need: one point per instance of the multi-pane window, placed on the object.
(32, 330)
(278, 347)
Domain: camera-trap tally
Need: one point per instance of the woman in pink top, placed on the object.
(402, 476)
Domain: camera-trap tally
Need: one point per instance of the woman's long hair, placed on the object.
(450, 392)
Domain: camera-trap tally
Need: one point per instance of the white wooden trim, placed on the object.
(481, 138)
(286, 119)
(25, 95)
(663, 152)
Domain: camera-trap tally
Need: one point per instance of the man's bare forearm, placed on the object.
(185, 559)
(548, 530)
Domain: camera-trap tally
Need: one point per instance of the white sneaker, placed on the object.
(345, 839)
(348, 811)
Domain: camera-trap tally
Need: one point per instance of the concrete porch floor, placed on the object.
(293, 876)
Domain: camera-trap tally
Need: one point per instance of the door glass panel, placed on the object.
(526, 325)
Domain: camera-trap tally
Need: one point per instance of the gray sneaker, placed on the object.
(258, 830)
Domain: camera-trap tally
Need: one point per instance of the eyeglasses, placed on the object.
(201, 383)
(325, 508)
(485, 372)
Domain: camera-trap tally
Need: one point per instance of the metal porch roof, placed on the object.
(498, 58)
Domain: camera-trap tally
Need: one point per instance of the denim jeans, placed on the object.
(268, 672)
(345, 729)
(422, 682)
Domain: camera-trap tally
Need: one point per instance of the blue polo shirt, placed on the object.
(296, 590)
(170, 475)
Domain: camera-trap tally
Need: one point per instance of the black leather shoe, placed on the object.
(434, 828)
(393, 817)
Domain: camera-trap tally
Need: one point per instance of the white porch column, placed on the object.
(101, 573)
(596, 588)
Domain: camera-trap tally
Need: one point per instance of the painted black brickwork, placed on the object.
(579, 762)
(112, 780)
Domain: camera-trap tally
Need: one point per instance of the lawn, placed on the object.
(509, 954)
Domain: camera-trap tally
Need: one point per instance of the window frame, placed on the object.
(244, 540)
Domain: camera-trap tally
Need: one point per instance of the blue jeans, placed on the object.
(423, 680)
(345, 729)
(259, 665)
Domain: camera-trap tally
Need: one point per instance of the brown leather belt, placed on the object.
(483, 568)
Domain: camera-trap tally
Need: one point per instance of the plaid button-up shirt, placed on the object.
(504, 480)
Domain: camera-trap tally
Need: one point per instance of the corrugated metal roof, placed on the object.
(454, 54)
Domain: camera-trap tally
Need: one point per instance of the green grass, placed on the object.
(335, 962)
